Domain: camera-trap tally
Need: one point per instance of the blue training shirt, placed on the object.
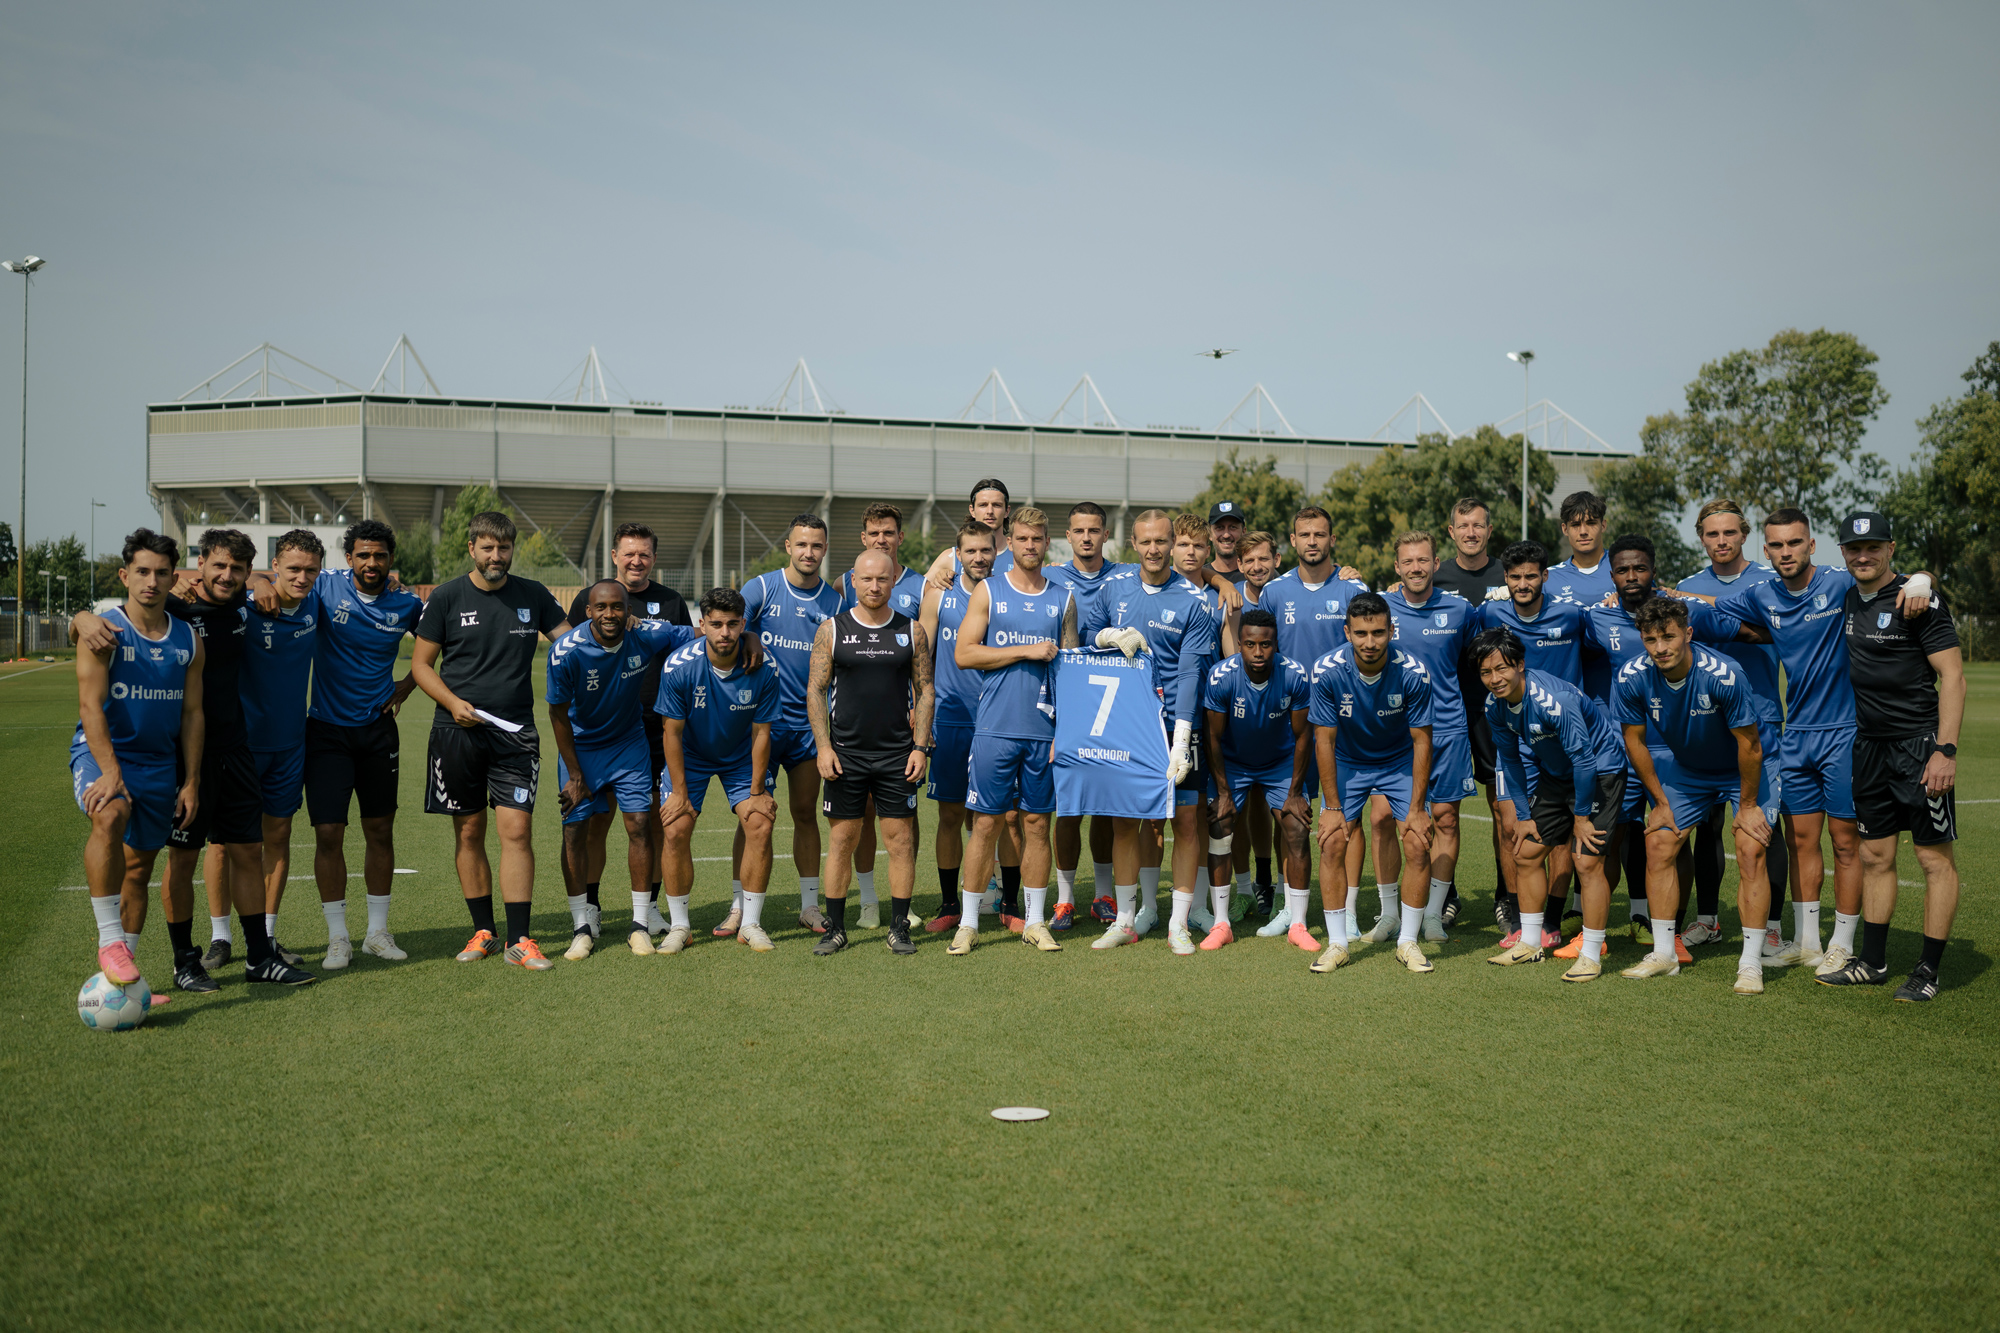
(1257, 740)
(719, 707)
(1806, 627)
(1312, 617)
(1091, 612)
(607, 688)
(1611, 640)
(1759, 661)
(786, 619)
(1693, 716)
(1181, 636)
(1435, 634)
(1014, 700)
(142, 710)
(278, 651)
(1110, 746)
(1566, 734)
(354, 662)
(1373, 717)
(956, 689)
(1553, 639)
(1567, 582)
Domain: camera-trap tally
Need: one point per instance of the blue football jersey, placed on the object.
(1092, 613)
(1806, 628)
(1312, 617)
(148, 683)
(1373, 717)
(354, 664)
(906, 595)
(1014, 699)
(607, 689)
(1182, 637)
(955, 688)
(1759, 661)
(1257, 738)
(1611, 640)
(1582, 586)
(1692, 716)
(278, 652)
(1435, 634)
(1565, 734)
(1553, 639)
(1110, 746)
(786, 619)
(719, 708)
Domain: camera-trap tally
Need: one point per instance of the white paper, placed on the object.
(499, 722)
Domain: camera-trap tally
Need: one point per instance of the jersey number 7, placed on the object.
(1110, 684)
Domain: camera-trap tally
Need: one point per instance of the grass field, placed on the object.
(729, 1140)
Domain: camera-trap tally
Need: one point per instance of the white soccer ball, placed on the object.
(106, 1006)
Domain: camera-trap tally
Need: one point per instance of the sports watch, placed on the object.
(1948, 751)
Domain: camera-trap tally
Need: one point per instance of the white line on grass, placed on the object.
(14, 675)
(353, 874)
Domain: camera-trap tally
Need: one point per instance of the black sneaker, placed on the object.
(190, 976)
(899, 938)
(217, 956)
(280, 951)
(831, 943)
(1855, 973)
(1450, 913)
(1508, 915)
(1922, 985)
(279, 972)
(1263, 899)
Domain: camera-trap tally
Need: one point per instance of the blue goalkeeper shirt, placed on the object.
(1110, 747)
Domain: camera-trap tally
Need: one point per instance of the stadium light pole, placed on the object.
(1525, 357)
(95, 505)
(26, 268)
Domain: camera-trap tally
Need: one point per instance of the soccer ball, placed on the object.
(106, 1006)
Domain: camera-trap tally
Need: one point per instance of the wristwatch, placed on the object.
(1948, 751)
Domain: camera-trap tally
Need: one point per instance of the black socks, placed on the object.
(1875, 944)
(1263, 870)
(1010, 890)
(482, 914)
(590, 894)
(182, 935)
(835, 911)
(517, 920)
(256, 944)
(899, 912)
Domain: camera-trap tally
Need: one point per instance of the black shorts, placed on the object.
(1889, 796)
(1484, 757)
(866, 775)
(1553, 808)
(358, 762)
(229, 804)
(471, 768)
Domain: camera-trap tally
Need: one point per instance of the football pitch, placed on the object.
(723, 1139)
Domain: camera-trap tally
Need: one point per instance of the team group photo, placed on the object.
(738, 834)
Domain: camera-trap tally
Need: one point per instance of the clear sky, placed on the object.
(1367, 200)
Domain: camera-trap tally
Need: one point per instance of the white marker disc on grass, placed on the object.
(1020, 1113)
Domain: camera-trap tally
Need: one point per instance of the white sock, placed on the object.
(579, 910)
(1413, 920)
(678, 907)
(642, 908)
(1806, 930)
(1065, 887)
(1843, 930)
(1183, 899)
(1593, 944)
(1531, 929)
(1353, 911)
(1038, 904)
(1246, 883)
(336, 920)
(1776, 925)
(109, 931)
(808, 893)
(753, 910)
(736, 895)
(1100, 879)
(1663, 937)
(270, 925)
(378, 912)
(1640, 912)
(866, 880)
(1435, 906)
(968, 911)
(1392, 897)
(218, 928)
(1707, 918)
(1753, 950)
(1299, 903)
(1219, 902)
(1149, 888)
(132, 943)
(1336, 925)
(1128, 903)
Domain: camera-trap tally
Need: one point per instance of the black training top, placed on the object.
(1453, 577)
(221, 628)
(1895, 686)
(869, 702)
(489, 641)
(652, 602)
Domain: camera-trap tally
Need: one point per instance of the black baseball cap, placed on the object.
(1222, 509)
(1864, 525)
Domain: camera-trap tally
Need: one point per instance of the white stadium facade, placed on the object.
(717, 485)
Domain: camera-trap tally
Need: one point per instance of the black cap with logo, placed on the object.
(1222, 509)
(1864, 525)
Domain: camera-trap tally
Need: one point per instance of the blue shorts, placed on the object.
(1358, 784)
(281, 780)
(154, 787)
(1635, 790)
(1275, 786)
(792, 747)
(1693, 794)
(950, 763)
(735, 777)
(1816, 769)
(1007, 773)
(618, 776)
(1451, 767)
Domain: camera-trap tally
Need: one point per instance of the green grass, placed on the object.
(728, 1140)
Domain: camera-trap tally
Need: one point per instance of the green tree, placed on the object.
(1944, 508)
(416, 556)
(6, 550)
(536, 554)
(1781, 425)
(62, 557)
(1643, 497)
(1267, 498)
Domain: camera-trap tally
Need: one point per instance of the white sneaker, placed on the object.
(755, 937)
(1434, 929)
(593, 914)
(1749, 981)
(870, 916)
(1149, 916)
(383, 945)
(1278, 924)
(1701, 932)
(1115, 935)
(1835, 958)
(1411, 955)
(1385, 928)
(655, 923)
(1795, 954)
(580, 945)
(339, 953)
(640, 940)
(1774, 944)
(675, 940)
(1180, 941)
(1200, 917)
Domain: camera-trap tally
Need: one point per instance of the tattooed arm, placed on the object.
(920, 681)
(819, 680)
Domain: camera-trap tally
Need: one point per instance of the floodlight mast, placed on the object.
(26, 268)
(1525, 358)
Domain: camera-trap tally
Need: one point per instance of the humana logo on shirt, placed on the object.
(1002, 638)
(142, 693)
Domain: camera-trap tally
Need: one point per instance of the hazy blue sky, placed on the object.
(1368, 201)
